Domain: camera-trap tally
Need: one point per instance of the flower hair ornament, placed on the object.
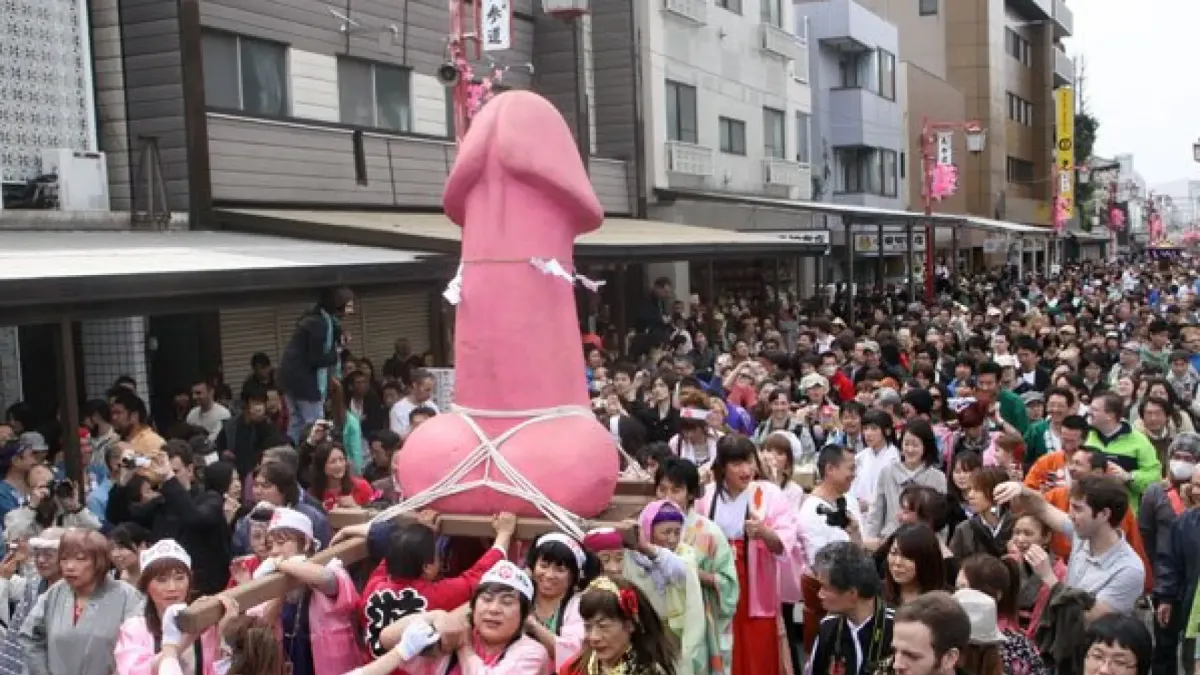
(627, 598)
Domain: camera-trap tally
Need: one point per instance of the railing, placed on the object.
(689, 159)
(693, 10)
(1064, 67)
(780, 42)
(785, 173)
(1064, 17)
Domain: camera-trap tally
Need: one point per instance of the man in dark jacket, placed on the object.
(312, 357)
(246, 436)
(1174, 506)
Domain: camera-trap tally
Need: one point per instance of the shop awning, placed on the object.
(617, 239)
(83, 270)
(1008, 227)
(1088, 237)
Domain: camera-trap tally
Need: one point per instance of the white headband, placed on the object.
(37, 543)
(507, 574)
(571, 544)
(697, 414)
(165, 549)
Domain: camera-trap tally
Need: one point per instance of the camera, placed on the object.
(63, 489)
(135, 462)
(835, 517)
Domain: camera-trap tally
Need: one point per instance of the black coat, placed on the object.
(305, 354)
(193, 518)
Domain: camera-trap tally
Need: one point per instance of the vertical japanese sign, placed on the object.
(496, 29)
(1064, 146)
(945, 148)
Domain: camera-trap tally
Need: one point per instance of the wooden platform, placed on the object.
(631, 498)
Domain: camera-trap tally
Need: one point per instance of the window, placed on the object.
(891, 183)
(1019, 110)
(857, 71)
(734, 6)
(803, 145)
(772, 12)
(681, 112)
(1018, 47)
(774, 133)
(927, 7)
(1020, 171)
(374, 95)
(733, 136)
(245, 74)
(887, 75)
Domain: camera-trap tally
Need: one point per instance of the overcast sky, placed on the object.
(1139, 81)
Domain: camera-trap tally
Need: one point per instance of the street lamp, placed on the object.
(572, 12)
(976, 143)
(1196, 151)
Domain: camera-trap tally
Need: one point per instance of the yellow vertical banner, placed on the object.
(1064, 146)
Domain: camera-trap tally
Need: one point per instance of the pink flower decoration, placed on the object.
(944, 181)
(1060, 214)
(1116, 219)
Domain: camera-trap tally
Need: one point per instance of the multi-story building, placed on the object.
(996, 63)
(312, 124)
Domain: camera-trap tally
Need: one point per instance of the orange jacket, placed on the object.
(1048, 471)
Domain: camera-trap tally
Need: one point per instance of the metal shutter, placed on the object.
(387, 316)
(243, 333)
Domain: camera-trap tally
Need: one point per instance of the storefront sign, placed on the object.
(945, 148)
(1064, 156)
(813, 237)
(893, 243)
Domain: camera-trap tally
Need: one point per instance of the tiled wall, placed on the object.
(10, 367)
(111, 348)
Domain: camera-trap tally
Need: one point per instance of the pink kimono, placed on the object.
(524, 657)
(570, 634)
(792, 566)
(332, 628)
(769, 504)
(134, 653)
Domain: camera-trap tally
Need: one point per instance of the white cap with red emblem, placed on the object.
(507, 574)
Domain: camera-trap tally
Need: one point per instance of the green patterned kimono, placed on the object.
(714, 556)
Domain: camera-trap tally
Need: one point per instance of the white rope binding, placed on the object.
(488, 454)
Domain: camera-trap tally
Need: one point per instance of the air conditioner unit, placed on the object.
(82, 179)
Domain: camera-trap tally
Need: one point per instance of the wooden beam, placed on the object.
(632, 487)
(207, 611)
(620, 515)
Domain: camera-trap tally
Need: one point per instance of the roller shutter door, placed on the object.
(244, 332)
(387, 316)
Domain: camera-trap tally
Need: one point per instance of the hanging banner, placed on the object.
(1064, 147)
(945, 148)
(497, 19)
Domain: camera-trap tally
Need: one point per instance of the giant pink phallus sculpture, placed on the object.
(519, 191)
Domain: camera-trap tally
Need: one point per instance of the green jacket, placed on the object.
(1133, 452)
(1012, 409)
(1035, 442)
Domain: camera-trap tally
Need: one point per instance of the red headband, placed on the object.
(599, 541)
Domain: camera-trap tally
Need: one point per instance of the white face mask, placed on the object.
(1181, 470)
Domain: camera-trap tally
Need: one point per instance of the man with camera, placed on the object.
(51, 504)
(827, 515)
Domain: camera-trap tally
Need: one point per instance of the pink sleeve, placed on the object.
(134, 653)
(570, 639)
(784, 521)
(346, 600)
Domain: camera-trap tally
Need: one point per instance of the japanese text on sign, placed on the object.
(945, 150)
(497, 25)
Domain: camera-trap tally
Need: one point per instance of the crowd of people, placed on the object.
(1003, 483)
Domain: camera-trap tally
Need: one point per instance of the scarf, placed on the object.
(324, 373)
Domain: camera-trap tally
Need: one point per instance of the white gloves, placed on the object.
(268, 566)
(417, 638)
(171, 635)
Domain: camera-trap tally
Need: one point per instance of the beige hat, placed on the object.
(813, 380)
(981, 610)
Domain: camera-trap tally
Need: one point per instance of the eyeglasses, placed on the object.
(1114, 660)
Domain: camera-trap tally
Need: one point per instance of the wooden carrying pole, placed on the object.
(630, 499)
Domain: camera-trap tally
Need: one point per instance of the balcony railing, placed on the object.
(1064, 68)
(777, 41)
(689, 159)
(785, 173)
(693, 10)
(1064, 18)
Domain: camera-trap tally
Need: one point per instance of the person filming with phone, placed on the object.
(827, 515)
(52, 503)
